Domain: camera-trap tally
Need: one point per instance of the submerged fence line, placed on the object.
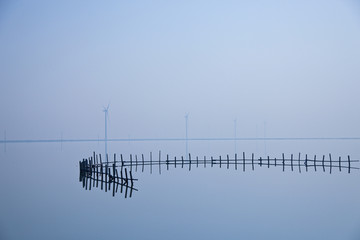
(118, 172)
(298, 162)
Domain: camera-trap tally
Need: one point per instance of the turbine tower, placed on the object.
(186, 134)
(235, 121)
(265, 137)
(106, 111)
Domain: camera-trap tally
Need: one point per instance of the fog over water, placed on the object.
(282, 69)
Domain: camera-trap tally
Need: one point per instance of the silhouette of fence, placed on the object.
(107, 175)
(96, 171)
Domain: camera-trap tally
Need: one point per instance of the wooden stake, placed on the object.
(252, 161)
(142, 156)
(243, 161)
(189, 162)
(160, 162)
(283, 162)
(227, 161)
(339, 164)
(235, 161)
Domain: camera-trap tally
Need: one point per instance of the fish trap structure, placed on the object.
(93, 174)
(107, 173)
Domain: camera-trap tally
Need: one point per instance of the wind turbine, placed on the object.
(265, 137)
(235, 121)
(106, 111)
(186, 134)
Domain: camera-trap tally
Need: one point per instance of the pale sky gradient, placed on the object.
(293, 64)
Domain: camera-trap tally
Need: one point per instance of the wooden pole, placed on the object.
(275, 161)
(227, 163)
(167, 162)
(150, 162)
(130, 162)
(235, 161)
(243, 161)
(160, 162)
(189, 162)
(136, 163)
(339, 164)
(283, 162)
(252, 161)
(142, 156)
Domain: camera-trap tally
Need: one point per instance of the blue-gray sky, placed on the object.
(293, 64)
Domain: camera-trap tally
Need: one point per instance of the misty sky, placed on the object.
(293, 64)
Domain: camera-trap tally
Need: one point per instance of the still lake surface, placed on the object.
(42, 198)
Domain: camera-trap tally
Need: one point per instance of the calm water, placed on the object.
(42, 198)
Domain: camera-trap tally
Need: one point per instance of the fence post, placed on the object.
(189, 162)
(160, 162)
(339, 164)
(227, 159)
(252, 161)
(283, 162)
(143, 163)
(167, 162)
(150, 163)
(243, 161)
(235, 161)
(136, 162)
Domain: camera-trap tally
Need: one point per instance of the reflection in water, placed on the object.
(95, 171)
